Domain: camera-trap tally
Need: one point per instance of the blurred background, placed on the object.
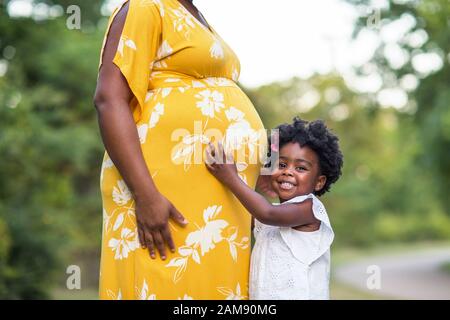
(378, 73)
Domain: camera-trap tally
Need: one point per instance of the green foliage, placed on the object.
(50, 151)
(446, 267)
(432, 96)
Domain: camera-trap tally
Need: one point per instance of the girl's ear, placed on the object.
(320, 183)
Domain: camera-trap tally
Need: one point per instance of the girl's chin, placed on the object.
(285, 192)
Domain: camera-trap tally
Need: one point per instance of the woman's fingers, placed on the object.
(159, 243)
(178, 217)
(150, 245)
(168, 238)
(141, 235)
(209, 158)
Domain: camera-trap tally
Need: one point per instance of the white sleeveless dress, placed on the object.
(287, 264)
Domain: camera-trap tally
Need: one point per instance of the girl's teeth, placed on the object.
(287, 185)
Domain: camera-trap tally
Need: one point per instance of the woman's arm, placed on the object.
(286, 215)
(121, 140)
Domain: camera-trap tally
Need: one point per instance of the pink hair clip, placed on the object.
(274, 146)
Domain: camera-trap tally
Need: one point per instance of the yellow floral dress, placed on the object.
(183, 76)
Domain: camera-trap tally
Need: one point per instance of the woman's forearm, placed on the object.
(121, 140)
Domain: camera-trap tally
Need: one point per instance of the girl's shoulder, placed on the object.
(303, 198)
(318, 208)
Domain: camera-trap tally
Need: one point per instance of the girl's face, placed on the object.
(297, 172)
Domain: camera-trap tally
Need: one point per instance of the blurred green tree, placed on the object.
(49, 145)
(424, 49)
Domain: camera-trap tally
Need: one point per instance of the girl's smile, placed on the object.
(297, 172)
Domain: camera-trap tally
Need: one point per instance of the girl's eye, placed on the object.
(282, 165)
(301, 168)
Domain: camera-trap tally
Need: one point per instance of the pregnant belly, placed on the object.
(178, 121)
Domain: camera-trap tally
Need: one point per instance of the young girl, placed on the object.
(291, 255)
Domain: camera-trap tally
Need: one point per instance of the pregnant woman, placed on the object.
(166, 87)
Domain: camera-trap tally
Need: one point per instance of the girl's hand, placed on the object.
(220, 165)
(152, 215)
(264, 186)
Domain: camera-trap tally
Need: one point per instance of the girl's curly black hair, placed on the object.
(321, 140)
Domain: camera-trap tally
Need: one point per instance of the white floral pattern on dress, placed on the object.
(184, 151)
(239, 133)
(142, 132)
(143, 129)
(183, 21)
(232, 294)
(218, 82)
(143, 293)
(233, 244)
(106, 221)
(205, 239)
(127, 243)
(210, 102)
(216, 50)
(125, 42)
(107, 163)
(121, 194)
(157, 112)
(114, 296)
(164, 51)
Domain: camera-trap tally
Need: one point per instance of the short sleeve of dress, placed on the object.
(318, 208)
(258, 228)
(319, 211)
(138, 46)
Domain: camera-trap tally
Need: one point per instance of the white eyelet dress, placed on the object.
(287, 264)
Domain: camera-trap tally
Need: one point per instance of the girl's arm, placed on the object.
(286, 215)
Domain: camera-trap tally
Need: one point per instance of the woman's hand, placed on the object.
(152, 215)
(220, 165)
